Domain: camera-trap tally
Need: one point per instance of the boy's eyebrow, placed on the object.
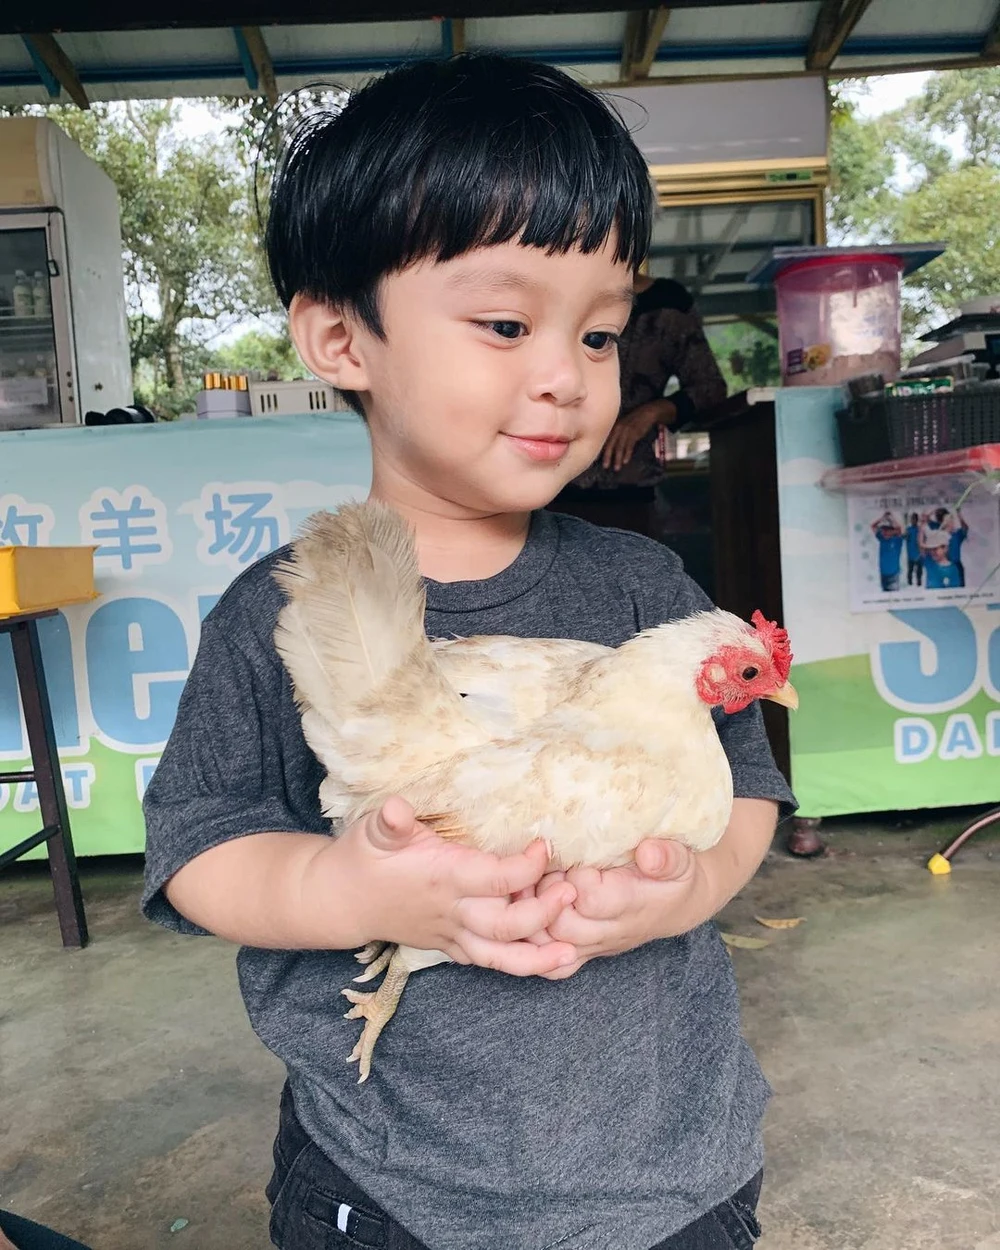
(496, 280)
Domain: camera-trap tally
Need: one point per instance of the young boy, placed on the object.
(456, 251)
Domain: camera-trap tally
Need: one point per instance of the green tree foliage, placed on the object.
(257, 351)
(928, 171)
(860, 200)
(747, 354)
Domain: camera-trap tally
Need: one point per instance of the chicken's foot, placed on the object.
(376, 1009)
(376, 956)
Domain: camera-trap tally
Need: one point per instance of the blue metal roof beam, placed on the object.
(452, 36)
(49, 80)
(246, 60)
(777, 49)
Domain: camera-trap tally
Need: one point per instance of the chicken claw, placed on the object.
(376, 956)
(375, 1008)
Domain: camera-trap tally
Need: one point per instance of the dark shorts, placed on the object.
(315, 1206)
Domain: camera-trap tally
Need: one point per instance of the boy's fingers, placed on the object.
(392, 826)
(517, 959)
(549, 882)
(501, 921)
(490, 876)
(663, 860)
(563, 974)
(603, 895)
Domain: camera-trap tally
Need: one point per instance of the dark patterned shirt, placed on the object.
(663, 339)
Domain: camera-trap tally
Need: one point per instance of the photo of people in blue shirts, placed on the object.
(946, 532)
(941, 572)
(889, 533)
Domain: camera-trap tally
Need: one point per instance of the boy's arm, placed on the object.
(237, 845)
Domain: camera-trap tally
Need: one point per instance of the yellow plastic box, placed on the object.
(35, 579)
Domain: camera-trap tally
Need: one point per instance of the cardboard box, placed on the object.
(35, 579)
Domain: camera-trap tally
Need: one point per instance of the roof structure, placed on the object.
(113, 50)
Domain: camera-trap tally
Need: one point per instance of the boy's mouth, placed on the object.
(543, 447)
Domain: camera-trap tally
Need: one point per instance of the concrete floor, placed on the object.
(134, 1094)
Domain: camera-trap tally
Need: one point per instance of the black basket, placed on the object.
(896, 427)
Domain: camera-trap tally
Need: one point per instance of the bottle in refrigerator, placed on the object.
(40, 294)
(22, 295)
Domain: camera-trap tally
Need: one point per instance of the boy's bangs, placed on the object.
(571, 205)
(437, 159)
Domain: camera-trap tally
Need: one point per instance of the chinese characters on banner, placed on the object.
(923, 543)
(174, 513)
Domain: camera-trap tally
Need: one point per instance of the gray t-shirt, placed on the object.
(607, 1110)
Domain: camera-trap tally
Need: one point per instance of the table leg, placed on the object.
(48, 781)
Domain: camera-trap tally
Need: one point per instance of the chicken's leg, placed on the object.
(376, 1009)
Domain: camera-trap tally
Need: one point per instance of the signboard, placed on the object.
(176, 511)
(923, 543)
(900, 706)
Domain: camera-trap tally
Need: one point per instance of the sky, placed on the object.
(881, 95)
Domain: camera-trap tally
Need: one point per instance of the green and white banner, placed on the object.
(176, 512)
(900, 706)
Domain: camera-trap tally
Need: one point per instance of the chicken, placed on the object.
(512, 681)
(591, 748)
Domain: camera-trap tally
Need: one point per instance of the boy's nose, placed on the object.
(558, 378)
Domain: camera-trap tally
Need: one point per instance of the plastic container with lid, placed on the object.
(839, 309)
(839, 317)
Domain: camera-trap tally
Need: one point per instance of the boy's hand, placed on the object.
(668, 891)
(411, 887)
(665, 893)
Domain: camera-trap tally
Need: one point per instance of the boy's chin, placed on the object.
(528, 496)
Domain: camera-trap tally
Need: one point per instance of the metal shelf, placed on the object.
(983, 459)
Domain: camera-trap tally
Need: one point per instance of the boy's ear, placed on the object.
(327, 339)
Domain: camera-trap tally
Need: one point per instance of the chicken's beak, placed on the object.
(786, 695)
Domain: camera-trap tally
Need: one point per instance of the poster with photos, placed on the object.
(924, 543)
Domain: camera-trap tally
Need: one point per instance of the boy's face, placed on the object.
(498, 378)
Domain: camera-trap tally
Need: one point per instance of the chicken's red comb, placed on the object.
(776, 640)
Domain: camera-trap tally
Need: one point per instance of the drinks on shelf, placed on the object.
(22, 295)
(40, 294)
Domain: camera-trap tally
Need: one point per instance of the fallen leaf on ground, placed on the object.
(791, 923)
(744, 943)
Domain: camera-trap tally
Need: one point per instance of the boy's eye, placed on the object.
(505, 329)
(600, 340)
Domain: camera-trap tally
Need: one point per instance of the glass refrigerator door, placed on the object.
(29, 377)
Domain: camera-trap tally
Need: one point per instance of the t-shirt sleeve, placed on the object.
(670, 594)
(221, 775)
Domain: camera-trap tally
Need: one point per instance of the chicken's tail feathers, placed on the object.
(355, 606)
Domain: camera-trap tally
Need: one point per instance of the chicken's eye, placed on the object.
(750, 673)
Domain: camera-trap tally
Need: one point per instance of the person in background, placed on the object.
(942, 574)
(938, 519)
(914, 560)
(890, 545)
(664, 339)
(957, 535)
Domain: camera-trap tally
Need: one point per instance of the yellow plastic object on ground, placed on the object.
(938, 865)
(35, 579)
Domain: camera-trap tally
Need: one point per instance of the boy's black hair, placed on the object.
(439, 157)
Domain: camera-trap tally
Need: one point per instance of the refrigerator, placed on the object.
(64, 346)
